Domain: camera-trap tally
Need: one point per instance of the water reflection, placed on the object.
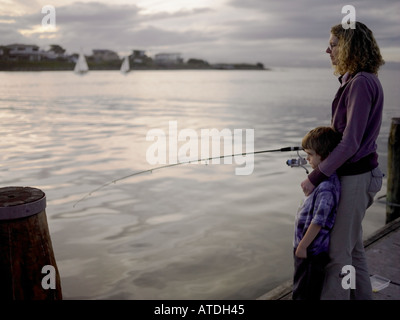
(191, 231)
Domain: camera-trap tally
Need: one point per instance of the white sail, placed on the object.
(125, 68)
(81, 66)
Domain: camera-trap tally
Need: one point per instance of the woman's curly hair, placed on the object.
(358, 50)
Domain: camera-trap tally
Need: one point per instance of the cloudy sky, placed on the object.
(274, 32)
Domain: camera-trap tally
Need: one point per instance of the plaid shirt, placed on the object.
(318, 208)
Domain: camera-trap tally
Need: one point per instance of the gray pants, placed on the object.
(346, 246)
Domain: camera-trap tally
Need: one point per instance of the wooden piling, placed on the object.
(28, 269)
(393, 179)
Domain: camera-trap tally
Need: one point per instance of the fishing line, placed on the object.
(296, 163)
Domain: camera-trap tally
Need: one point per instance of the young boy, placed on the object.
(315, 219)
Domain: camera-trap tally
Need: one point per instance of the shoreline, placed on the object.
(69, 66)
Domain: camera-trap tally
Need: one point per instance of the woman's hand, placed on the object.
(307, 187)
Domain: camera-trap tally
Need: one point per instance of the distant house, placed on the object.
(104, 55)
(168, 58)
(19, 52)
(4, 51)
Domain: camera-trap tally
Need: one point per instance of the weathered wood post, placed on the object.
(28, 269)
(393, 179)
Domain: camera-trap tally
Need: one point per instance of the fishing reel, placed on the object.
(299, 162)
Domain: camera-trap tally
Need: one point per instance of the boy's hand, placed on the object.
(301, 252)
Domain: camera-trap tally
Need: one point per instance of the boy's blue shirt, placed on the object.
(319, 208)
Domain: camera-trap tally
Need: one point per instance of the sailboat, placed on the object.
(125, 67)
(81, 66)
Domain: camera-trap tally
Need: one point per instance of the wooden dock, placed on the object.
(383, 256)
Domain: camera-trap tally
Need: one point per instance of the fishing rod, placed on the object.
(299, 162)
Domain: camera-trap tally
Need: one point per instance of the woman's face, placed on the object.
(333, 50)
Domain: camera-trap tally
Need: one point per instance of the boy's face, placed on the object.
(313, 158)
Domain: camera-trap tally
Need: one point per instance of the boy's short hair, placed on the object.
(322, 140)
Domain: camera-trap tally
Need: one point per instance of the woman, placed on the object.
(357, 114)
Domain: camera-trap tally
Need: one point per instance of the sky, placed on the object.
(273, 32)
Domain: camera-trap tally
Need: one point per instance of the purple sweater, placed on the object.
(357, 114)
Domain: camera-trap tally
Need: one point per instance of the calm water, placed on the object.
(187, 232)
